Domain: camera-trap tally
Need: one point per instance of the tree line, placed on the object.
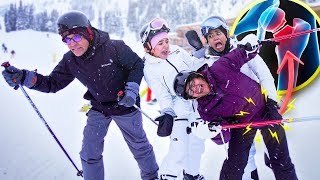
(114, 20)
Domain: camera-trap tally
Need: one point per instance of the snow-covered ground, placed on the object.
(29, 152)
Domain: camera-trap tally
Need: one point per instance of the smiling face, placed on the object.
(197, 87)
(217, 40)
(161, 50)
(78, 48)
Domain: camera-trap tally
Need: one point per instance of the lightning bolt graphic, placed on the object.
(265, 93)
(249, 100)
(290, 106)
(290, 120)
(248, 128)
(241, 113)
(285, 127)
(278, 96)
(258, 138)
(274, 135)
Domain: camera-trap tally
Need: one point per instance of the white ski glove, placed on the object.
(202, 131)
(250, 43)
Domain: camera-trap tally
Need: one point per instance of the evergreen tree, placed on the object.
(100, 25)
(132, 16)
(22, 21)
(7, 22)
(11, 20)
(52, 25)
(41, 21)
(30, 15)
(85, 7)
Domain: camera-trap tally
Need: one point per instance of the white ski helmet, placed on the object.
(214, 22)
(151, 29)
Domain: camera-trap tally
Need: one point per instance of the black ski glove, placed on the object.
(15, 76)
(194, 40)
(165, 125)
(271, 110)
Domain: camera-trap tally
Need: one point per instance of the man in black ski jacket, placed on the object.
(105, 67)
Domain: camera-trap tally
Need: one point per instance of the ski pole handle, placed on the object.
(6, 65)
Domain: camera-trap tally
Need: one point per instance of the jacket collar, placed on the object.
(99, 38)
(210, 53)
(154, 60)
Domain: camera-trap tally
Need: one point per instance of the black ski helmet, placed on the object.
(181, 80)
(73, 20)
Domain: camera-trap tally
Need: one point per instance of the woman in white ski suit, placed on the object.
(185, 150)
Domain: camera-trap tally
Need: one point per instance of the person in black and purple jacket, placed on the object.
(105, 67)
(225, 95)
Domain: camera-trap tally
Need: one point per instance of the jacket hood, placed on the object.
(99, 38)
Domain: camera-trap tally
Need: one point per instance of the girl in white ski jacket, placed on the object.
(185, 149)
(162, 63)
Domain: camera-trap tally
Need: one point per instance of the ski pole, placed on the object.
(270, 122)
(139, 109)
(121, 93)
(79, 172)
(288, 36)
(261, 123)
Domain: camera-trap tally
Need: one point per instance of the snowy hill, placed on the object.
(29, 152)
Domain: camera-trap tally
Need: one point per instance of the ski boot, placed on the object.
(187, 176)
(254, 175)
(167, 177)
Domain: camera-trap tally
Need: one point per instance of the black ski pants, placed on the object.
(238, 152)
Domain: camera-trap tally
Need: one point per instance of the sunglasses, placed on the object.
(155, 26)
(75, 38)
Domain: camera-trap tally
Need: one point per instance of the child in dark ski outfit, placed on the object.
(226, 95)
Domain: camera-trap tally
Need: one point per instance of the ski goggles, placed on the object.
(211, 24)
(155, 26)
(189, 88)
(75, 38)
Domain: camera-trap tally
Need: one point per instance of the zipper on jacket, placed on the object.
(172, 65)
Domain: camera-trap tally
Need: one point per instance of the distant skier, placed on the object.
(13, 54)
(4, 48)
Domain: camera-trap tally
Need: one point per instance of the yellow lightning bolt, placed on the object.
(250, 100)
(285, 127)
(274, 135)
(265, 93)
(258, 138)
(248, 128)
(289, 120)
(290, 106)
(279, 96)
(241, 113)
